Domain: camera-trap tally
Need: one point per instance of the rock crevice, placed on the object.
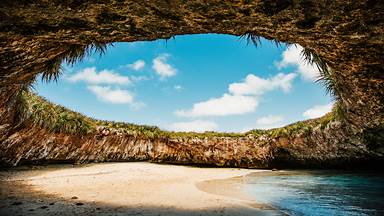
(35, 37)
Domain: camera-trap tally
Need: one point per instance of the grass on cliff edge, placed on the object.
(58, 119)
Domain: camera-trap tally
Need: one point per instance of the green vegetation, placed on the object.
(75, 53)
(254, 39)
(203, 135)
(251, 39)
(145, 131)
(326, 78)
(311, 57)
(59, 119)
(305, 127)
(53, 117)
(338, 111)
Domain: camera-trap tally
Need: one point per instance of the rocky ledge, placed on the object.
(343, 36)
(48, 133)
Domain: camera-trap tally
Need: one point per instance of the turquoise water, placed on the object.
(319, 193)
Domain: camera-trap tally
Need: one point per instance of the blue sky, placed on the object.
(193, 83)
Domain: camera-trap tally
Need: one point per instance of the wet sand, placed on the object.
(137, 188)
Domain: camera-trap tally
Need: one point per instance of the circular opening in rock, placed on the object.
(194, 83)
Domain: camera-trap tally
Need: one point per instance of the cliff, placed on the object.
(49, 133)
(345, 36)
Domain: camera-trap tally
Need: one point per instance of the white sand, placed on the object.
(153, 187)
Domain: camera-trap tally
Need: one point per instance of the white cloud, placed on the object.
(269, 120)
(137, 65)
(196, 126)
(91, 76)
(242, 97)
(254, 85)
(109, 95)
(138, 78)
(178, 87)
(318, 111)
(292, 57)
(225, 105)
(162, 68)
(266, 122)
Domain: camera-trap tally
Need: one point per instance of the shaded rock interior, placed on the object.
(36, 37)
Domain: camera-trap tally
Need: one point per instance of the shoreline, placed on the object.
(129, 188)
(233, 188)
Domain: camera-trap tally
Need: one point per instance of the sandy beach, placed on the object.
(137, 188)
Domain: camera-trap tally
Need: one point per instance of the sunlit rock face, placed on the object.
(348, 36)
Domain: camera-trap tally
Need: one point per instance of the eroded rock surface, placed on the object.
(347, 35)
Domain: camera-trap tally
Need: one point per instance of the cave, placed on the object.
(345, 39)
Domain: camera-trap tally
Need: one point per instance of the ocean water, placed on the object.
(319, 192)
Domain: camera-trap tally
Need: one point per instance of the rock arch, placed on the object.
(348, 35)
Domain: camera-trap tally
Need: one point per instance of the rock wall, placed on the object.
(321, 143)
(348, 35)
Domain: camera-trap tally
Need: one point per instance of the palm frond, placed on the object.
(325, 78)
(74, 53)
(52, 70)
(277, 43)
(329, 86)
(97, 47)
(251, 38)
(169, 38)
(311, 57)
